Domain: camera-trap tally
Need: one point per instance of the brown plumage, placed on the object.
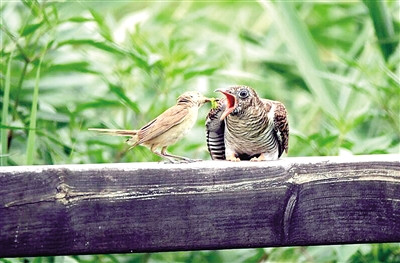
(252, 128)
(165, 130)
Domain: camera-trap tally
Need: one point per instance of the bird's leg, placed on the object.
(169, 160)
(259, 158)
(184, 159)
(231, 156)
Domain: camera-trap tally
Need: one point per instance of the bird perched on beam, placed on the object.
(246, 127)
(165, 130)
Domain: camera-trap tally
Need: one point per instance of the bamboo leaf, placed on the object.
(383, 25)
(79, 19)
(93, 43)
(193, 72)
(32, 123)
(121, 94)
(4, 112)
(99, 103)
(80, 66)
(29, 29)
(104, 29)
(304, 51)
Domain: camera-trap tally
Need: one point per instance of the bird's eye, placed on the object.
(243, 94)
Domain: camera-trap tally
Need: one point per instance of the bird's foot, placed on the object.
(258, 159)
(181, 160)
(184, 160)
(169, 161)
(232, 158)
(196, 160)
(188, 160)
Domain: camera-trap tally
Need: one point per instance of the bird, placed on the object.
(244, 126)
(215, 128)
(166, 129)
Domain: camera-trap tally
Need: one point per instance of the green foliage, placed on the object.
(377, 253)
(4, 115)
(383, 26)
(119, 64)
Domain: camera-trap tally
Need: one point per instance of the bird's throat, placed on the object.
(231, 104)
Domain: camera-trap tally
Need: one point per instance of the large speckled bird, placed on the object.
(246, 127)
(167, 128)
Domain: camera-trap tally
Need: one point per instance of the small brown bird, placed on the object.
(169, 127)
(246, 127)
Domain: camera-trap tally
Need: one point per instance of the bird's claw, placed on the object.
(258, 159)
(183, 160)
(168, 161)
(187, 160)
(232, 159)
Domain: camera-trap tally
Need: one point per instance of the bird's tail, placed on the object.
(132, 133)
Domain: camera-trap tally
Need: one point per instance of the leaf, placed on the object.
(50, 116)
(32, 120)
(97, 44)
(65, 259)
(9, 260)
(98, 103)
(29, 29)
(192, 72)
(373, 145)
(383, 25)
(34, 6)
(78, 19)
(4, 112)
(80, 66)
(121, 94)
(345, 252)
(104, 29)
(13, 127)
(251, 37)
(304, 51)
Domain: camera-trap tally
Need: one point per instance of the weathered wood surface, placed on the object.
(110, 208)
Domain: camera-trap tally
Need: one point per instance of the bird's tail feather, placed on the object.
(115, 132)
(133, 141)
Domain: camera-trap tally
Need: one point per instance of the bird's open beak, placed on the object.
(231, 103)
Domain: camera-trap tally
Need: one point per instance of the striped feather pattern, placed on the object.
(215, 132)
(255, 126)
(251, 133)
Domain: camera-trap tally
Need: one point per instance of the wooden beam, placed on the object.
(136, 207)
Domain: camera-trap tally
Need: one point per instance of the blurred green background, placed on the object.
(67, 66)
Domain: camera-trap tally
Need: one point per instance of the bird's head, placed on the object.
(193, 98)
(238, 98)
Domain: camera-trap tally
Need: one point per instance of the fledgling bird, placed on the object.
(165, 130)
(246, 127)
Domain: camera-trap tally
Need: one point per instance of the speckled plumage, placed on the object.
(254, 129)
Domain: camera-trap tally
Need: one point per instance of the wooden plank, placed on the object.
(136, 207)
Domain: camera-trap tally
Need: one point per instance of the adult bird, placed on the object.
(165, 130)
(246, 127)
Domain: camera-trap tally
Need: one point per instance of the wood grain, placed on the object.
(136, 207)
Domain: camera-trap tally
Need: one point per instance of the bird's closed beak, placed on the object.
(231, 102)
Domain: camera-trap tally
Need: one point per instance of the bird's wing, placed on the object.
(165, 121)
(215, 129)
(281, 124)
